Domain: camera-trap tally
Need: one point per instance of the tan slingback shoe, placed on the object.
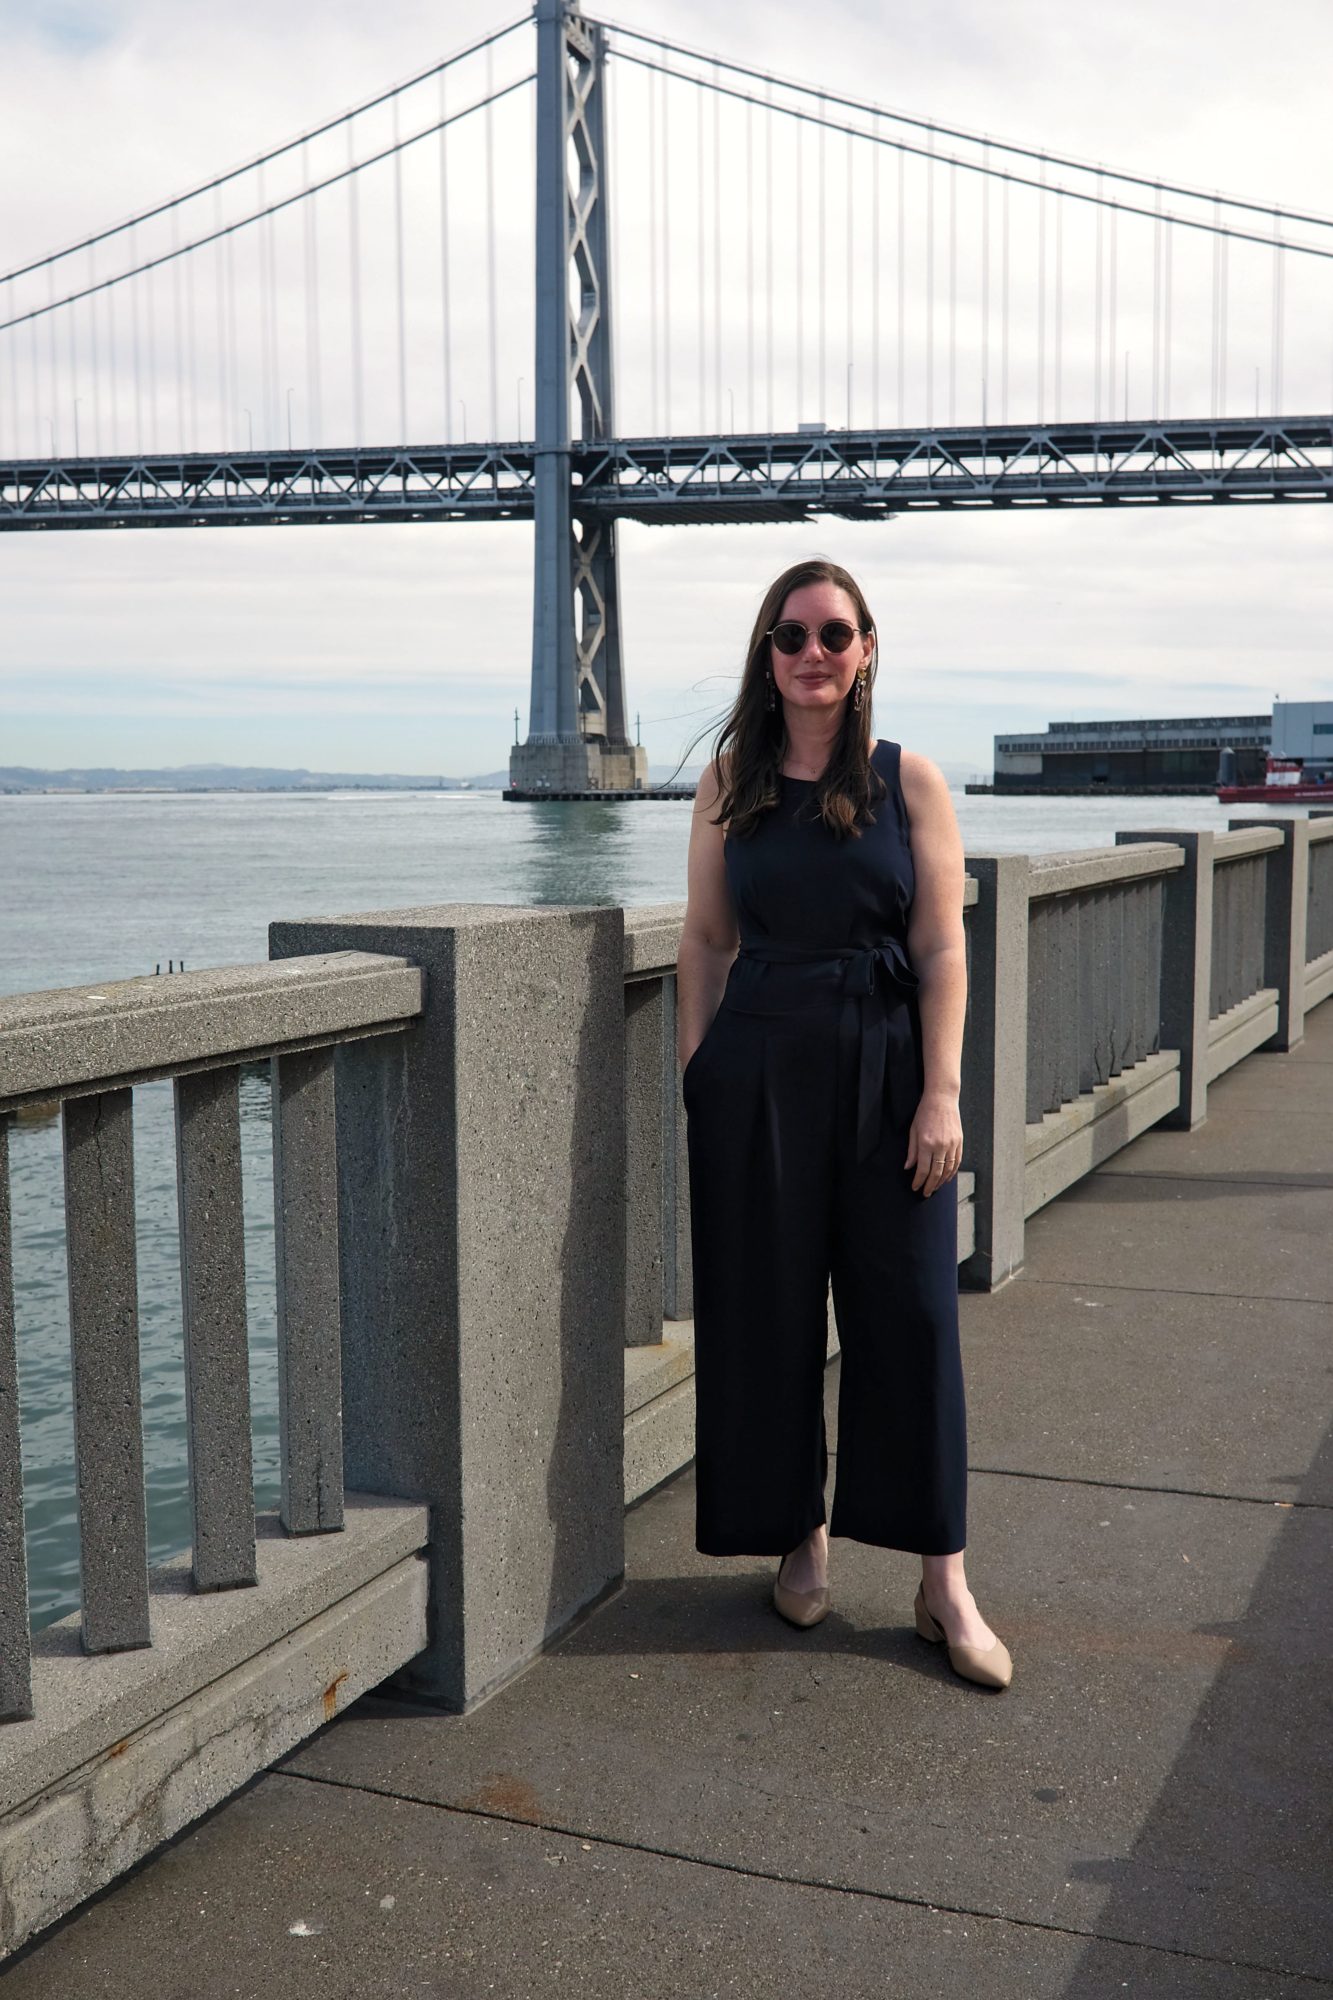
(989, 1666)
(799, 1607)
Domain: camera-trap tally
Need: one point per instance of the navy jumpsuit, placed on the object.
(799, 1102)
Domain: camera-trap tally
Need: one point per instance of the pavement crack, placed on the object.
(1136, 1486)
(897, 1897)
(1178, 1291)
(1275, 1184)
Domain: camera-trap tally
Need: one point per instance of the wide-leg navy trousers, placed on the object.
(779, 1208)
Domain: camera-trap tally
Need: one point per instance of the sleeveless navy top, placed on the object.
(820, 918)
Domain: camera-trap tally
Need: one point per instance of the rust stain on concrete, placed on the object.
(507, 1794)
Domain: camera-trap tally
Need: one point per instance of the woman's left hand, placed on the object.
(935, 1145)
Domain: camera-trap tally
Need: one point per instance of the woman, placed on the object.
(821, 1081)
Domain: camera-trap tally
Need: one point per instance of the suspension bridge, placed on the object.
(752, 299)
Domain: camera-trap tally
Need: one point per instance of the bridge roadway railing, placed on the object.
(483, 1272)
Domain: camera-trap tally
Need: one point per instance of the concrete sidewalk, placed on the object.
(688, 1797)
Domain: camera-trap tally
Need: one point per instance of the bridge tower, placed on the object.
(577, 739)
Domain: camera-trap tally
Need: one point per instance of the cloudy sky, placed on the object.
(409, 649)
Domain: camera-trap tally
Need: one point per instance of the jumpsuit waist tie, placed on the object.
(885, 983)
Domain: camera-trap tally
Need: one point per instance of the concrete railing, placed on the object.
(1109, 988)
(483, 1277)
(167, 1691)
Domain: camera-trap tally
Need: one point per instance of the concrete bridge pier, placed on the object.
(578, 740)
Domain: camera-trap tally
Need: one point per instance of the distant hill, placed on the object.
(263, 778)
(959, 775)
(227, 778)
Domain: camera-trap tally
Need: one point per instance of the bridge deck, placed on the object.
(686, 1796)
(777, 476)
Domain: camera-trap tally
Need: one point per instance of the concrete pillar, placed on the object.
(1187, 966)
(481, 1166)
(994, 1092)
(1284, 929)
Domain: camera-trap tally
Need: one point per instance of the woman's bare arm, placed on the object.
(936, 947)
(710, 936)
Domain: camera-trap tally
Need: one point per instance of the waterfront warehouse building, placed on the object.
(1303, 731)
(1152, 754)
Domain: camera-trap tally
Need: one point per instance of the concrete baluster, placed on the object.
(15, 1651)
(1284, 926)
(649, 1136)
(995, 1067)
(679, 1303)
(1185, 985)
(217, 1378)
(305, 1197)
(104, 1341)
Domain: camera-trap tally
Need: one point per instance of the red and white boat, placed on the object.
(1285, 784)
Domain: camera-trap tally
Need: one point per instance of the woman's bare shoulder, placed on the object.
(925, 787)
(709, 788)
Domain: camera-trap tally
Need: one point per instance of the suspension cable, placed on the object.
(288, 201)
(961, 132)
(1013, 179)
(236, 173)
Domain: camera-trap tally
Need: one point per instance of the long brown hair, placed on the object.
(749, 787)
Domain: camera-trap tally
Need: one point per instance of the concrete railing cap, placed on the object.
(81, 1038)
(1098, 867)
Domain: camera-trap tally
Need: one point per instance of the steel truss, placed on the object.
(865, 474)
(451, 482)
(783, 477)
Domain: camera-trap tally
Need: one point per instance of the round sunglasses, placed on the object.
(835, 635)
